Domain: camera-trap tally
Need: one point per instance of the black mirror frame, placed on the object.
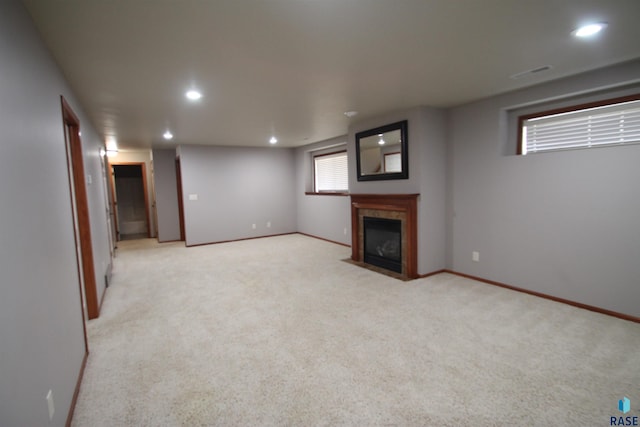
(403, 127)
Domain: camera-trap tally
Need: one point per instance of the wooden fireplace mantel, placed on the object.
(403, 204)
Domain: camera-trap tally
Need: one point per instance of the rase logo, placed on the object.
(624, 406)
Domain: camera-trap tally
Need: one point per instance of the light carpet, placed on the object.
(279, 331)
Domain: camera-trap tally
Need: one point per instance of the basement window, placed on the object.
(598, 124)
(330, 173)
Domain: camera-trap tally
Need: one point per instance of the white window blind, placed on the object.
(331, 172)
(612, 124)
(392, 162)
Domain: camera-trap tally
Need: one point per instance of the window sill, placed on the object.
(327, 193)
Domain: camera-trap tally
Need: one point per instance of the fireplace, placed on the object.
(383, 243)
(384, 233)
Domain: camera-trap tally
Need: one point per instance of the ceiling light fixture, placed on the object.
(590, 29)
(350, 113)
(273, 140)
(381, 141)
(167, 135)
(112, 143)
(193, 95)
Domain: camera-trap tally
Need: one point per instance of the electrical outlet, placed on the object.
(475, 256)
(268, 224)
(253, 226)
(50, 405)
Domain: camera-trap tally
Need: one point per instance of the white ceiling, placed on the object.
(291, 68)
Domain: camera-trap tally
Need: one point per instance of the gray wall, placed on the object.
(164, 172)
(325, 216)
(237, 187)
(427, 176)
(41, 334)
(563, 223)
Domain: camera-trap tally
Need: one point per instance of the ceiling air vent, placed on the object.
(529, 72)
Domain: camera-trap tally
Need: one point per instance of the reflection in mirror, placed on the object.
(382, 152)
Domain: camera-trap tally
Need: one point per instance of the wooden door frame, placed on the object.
(111, 220)
(180, 205)
(73, 146)
(114, 200)
(144, 189)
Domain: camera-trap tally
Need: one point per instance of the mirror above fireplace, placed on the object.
(381, 153)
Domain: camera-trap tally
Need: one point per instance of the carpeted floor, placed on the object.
(280, 331)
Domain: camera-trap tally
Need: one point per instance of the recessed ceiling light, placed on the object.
(167, 135)
(350, 113)
(273, 140)
(193, 95)
(590, 29)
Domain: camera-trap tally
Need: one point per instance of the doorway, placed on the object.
(131, 207)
